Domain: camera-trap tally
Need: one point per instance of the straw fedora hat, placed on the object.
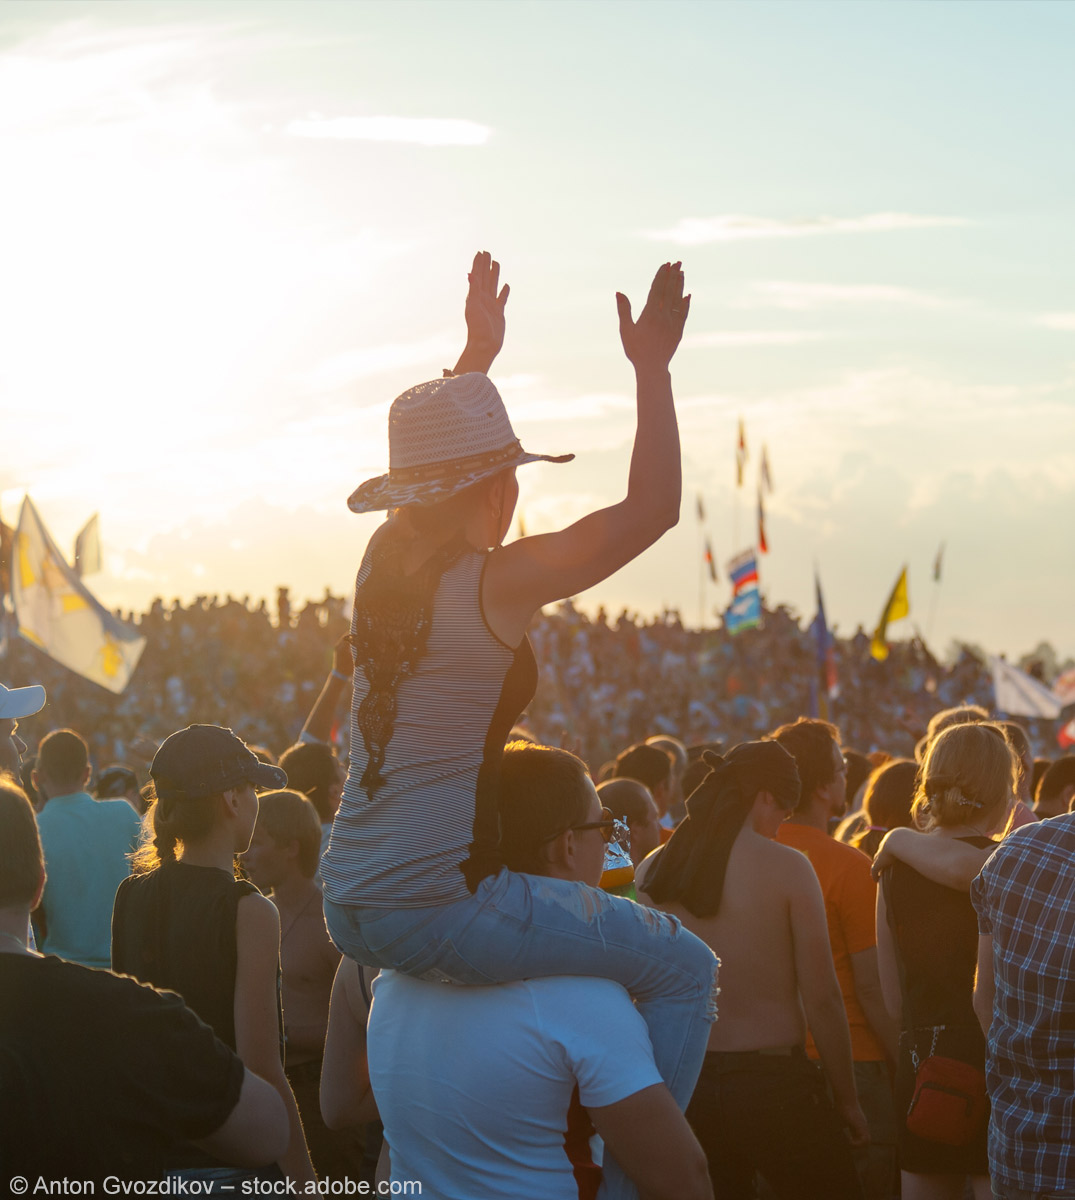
(443, 436)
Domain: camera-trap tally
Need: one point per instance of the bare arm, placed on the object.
(985, 986)
(485, 315)
(318, 727)
(650, 1138)
(886, 961)
(865, 969)
(822, 1001)
(346, 1096)
(257, 1032)
(256, 1131)
(537, 570)
(946, 861)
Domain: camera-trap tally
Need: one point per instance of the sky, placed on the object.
(231, 233)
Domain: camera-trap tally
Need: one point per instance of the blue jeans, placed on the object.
(526, 926)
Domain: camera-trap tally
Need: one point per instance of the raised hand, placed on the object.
(484, 313)
(652, 339)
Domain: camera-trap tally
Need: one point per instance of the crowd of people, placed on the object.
(664, 970)
(604, 683)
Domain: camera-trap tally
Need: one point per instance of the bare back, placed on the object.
(753, 934)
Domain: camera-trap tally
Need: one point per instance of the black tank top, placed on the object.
(936, 936)
(175, 928)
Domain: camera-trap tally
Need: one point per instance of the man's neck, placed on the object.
(813, 815)
(294, 892)
(59, 793)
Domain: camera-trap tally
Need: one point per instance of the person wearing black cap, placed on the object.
(759, 906)
(184, 922)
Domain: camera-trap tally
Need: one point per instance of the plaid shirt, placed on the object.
(1025, 898)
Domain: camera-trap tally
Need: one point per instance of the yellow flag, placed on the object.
(58, 613)
(897, 606)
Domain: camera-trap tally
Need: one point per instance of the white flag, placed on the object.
(88, 548)
(1018, 695)
(58, 614)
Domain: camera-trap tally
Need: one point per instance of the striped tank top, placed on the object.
(429, 834)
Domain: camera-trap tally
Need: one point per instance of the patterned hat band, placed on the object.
(424, 472)
(443, 436)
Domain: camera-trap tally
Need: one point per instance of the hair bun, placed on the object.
(712, 759)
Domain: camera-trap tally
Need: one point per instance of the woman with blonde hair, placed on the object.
(927, 943)
(413, 876)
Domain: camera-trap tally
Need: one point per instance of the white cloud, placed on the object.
(566, 408)
(1064, 320)
(802, 296)
(735, 227)
(341, 370)
(753, 337)
(415, 131)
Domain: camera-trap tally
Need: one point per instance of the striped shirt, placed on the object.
(430, 831)
(1025, 899)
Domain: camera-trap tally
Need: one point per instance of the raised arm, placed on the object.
(485, 315)
(944, 860)
(537, 570)
(318, 727)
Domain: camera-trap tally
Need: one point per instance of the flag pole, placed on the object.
(936, 591)
(701, 576)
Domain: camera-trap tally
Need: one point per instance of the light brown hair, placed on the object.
(969, 776)
(287, 816)
(169, 823)
(62, 759)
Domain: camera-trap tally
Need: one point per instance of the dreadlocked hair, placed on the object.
(169, 823)
(393, 613)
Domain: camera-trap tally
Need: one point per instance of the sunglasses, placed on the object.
(612, 830)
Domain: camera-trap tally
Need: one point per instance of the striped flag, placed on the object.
(744, 612)
(763, 545)
(710, 561)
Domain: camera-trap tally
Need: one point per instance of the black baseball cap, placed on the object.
(205, 760)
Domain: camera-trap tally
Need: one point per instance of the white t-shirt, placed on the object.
(473, 1084)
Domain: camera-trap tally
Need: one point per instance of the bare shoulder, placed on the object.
(256, 917)
(790, 868)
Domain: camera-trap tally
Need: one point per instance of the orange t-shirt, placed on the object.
(850, 896)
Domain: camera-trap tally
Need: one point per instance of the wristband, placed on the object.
(339, 675)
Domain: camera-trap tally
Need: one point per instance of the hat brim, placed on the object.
(265, 777)
(377, 494)
(16, 703)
